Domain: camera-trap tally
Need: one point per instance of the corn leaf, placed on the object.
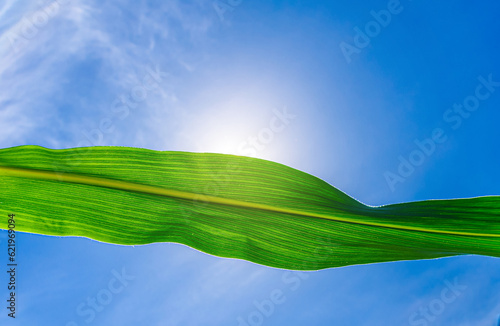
(230, 206)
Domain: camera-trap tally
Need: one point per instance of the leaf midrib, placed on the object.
(154, 190)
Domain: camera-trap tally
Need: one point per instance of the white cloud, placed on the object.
(43, 95)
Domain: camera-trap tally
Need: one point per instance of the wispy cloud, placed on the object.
(65, 68)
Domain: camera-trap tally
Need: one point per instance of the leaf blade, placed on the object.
(225, 205)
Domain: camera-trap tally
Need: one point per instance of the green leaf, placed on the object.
(230, 206)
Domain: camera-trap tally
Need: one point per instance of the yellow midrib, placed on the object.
(135, 187)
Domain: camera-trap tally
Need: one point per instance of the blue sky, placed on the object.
(389, 101)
